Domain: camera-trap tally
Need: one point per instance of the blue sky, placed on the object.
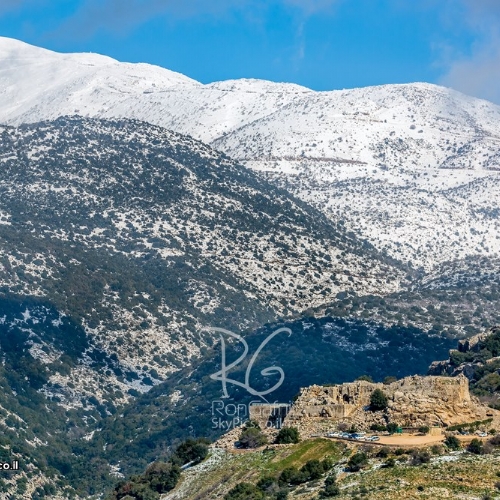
(322, 44)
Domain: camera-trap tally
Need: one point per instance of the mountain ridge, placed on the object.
(373, 157)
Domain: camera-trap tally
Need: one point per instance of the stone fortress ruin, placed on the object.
(413, 402)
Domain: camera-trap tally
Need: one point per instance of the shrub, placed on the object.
(378, 400)
(357, 462)
(252, 423)
(191, 450)
(475, 446)
(453, 443)
(244, 491)
(436, 449)
(290, 475)
(389, 380)
(392, 427)
(313, 469)
(420, 457)
(424, 429)
(331, 489)
(162, 477)
(266, 483)
(495, 441)
(252, 438)
(390, 462)
(366, 378)
(383, 453)
(288, 435)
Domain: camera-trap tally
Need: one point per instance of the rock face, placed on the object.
(413, 402)
(469, 346)
(475, 343)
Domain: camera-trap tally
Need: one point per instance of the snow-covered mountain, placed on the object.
(141, 234)
(413, 168)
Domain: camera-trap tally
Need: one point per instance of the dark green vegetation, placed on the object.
(475, 446)
(161, 477)
(144, 429)
(357, 461)
(482, 367)
(459, 297)
(364, 471)
(378, 400)
(288, 435)
(452, 442)
(277, 488)
(118, 240)
(252, 437)
(470, 426)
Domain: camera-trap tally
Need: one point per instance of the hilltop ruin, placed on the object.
(412, 402)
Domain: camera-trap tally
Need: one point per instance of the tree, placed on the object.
(191, 450)
(392, 427)
(288, 435)
(252, 438)
(291, 475)
(378, 400)
(331, 488)
(452, 442)
(357, 462)
(162, 477)
(366, 378)
(313, 469)
(244, 491)
(475, 446)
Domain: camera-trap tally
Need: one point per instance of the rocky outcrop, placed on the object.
(471, 346)
(413, 402)
(475, 343)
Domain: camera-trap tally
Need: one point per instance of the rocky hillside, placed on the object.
(412, 168)
(478, 359)
(142, 237)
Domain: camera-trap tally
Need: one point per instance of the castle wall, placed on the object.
(413, 402)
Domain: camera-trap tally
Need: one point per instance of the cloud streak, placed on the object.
(478, 73)
(120, 16)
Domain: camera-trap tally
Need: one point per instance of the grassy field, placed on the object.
(458, 475)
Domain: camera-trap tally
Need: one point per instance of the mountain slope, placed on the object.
(412, 168)
(143, 237)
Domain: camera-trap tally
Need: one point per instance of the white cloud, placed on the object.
(478, 73)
